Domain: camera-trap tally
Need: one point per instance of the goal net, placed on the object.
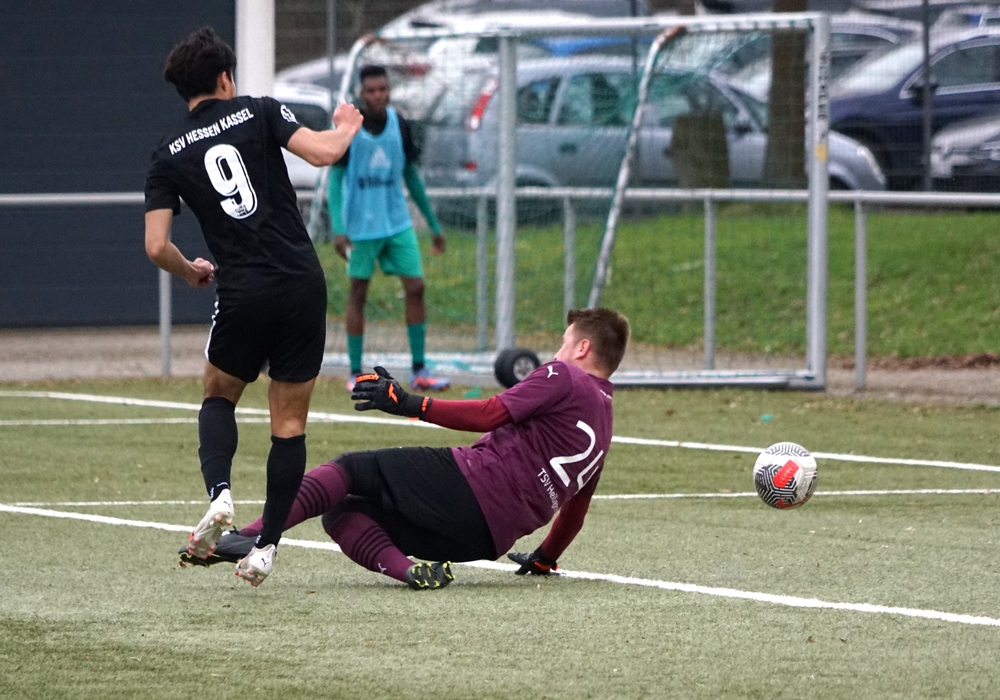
(676, 171)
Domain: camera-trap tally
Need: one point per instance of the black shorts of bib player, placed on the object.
(224, 161)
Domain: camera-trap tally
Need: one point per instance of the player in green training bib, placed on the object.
(371, 223)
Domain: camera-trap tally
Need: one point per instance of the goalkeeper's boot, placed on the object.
(231, 548)
(205, 536)
(421, 380)
(254, 567)
(429, 576)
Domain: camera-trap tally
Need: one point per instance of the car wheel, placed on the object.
(514, 364)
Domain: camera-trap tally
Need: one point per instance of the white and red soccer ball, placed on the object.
(785, 475)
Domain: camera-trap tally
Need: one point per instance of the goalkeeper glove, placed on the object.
(381, 391)
(534, 563)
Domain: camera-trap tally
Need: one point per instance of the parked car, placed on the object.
(760, 6)
(463, 14)
(854, 36)
(879, 101)
(311, 107)
(444, 13)
(968, 16)
(910, 9)
(573, 120)
(316, 72)
(965, 157)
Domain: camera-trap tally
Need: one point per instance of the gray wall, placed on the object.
(84, 105)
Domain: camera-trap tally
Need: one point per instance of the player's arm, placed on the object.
(473, 415)
(321, 148)
(415, 184)
(380, 391)
(565, 528)
(166, 256)
(335, 206)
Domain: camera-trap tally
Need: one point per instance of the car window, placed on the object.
(490, 46)
(311, 116)
(534, 101)
(881, 71)
(676, 95)
(854, 40)
(976, 65)
(597, 99)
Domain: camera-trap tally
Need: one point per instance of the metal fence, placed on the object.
(863, 203)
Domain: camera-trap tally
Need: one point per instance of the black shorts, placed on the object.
(421, 499)
(287, 330)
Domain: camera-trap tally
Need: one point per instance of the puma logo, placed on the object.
(552, 372)
(381, 569)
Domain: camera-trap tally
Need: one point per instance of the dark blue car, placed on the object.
(879, 101)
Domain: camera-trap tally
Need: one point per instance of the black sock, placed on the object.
(218, 436)
(417, 366)
(285, 466)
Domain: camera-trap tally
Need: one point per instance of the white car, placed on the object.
(966, 156)
(311, 106)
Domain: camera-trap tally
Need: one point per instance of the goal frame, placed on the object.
(813, 375)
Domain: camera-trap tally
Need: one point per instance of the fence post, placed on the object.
(506, 204)
(709, 283)
(860, 294)
(482, 270)
(166, 319)
(819, 184)
(569, 253)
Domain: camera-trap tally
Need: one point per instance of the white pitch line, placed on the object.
(753, 494)
(56, 422)
(103, 504)
(345, 418)
(818, 455)
(316, 416)
(784, 600)
(598, 497)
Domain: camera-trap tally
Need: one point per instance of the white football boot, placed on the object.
(206, 535)
(254, 567)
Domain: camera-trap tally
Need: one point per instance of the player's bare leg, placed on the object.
(218, 437)
(289, 405)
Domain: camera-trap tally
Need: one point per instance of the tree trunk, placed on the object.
(699, 151)
(784, 164)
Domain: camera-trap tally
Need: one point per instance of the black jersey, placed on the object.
(224, 160)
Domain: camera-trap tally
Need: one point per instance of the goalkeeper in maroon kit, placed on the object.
(542, 455)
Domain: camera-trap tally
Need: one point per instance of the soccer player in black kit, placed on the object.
(224, 160)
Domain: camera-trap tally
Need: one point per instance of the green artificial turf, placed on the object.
(933, 288)
(98, 610)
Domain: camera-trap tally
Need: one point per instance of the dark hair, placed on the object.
(194, 65)
(372, 71)
(608, 332)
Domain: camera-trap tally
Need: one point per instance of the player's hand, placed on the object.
(438, 244)
(202, 273)
(534, 563)
(342, 244)
(381, 391)
(347, 116)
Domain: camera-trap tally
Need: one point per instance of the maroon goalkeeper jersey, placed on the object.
(521, 473)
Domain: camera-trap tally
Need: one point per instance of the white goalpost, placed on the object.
(813, 375)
